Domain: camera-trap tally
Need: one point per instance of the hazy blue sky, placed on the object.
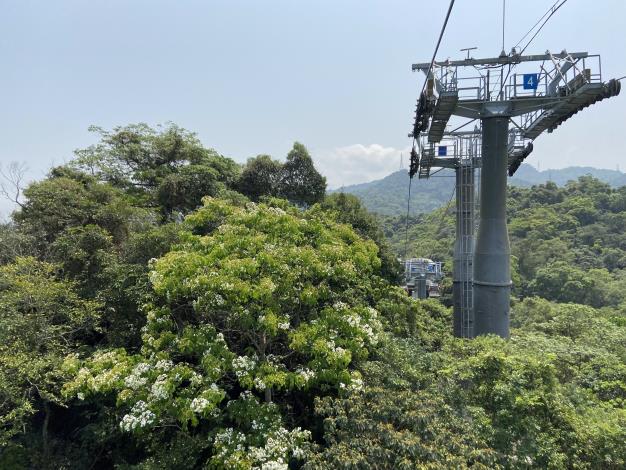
(251, 77)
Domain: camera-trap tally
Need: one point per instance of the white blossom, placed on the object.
(279, 445)
(136, 379)
(373, 312)
(195, 379)
(159, 389)
(198, 405)
(274, 465)
(356, 385)
(164, 365)
(276, 210)
(139, 417)
(306, 374)
(243, 365)
(259, 383)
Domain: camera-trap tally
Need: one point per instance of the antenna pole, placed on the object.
(503, 19)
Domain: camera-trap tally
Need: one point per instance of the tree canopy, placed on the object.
(167, 166)
(163, 307)
(299, 182)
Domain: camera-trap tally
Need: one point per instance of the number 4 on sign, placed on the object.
(531, 80)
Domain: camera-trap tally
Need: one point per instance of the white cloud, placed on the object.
(358, 163)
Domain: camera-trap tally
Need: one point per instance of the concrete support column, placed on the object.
(492, 270)
(463, 321)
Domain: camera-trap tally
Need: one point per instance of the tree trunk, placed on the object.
(268, 390)
(44, 430)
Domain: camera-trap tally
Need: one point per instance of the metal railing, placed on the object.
(560, 71)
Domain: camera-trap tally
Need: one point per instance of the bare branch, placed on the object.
(12, 182)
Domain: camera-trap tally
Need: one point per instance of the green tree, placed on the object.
(562, 282)
(299, 181)
(349, 210)
(256, 309)
(14, 243)
(99, 239)
(551, 397)
(41, 320)
(68, 198)
(394, 423)
(260, 177)
(167, 166)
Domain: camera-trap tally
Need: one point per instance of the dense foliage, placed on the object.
(41, 320)
(568, 244)
(164, 307)
(551, 397)
(296, 180)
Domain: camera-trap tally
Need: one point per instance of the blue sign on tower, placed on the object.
(442, 151)
(531, 80)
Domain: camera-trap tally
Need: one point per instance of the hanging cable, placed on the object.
(535, 25)
(462, 126)
(550, 13)
(443, 29)
(445, 212)
(406, 228)
(430, 67)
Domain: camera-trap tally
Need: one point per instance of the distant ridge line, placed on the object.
(387, 196)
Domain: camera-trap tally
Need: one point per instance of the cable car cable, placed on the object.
(408, 204)
(551, 11)
(535, 25)
(443, 28)
(406, 228)
(445, 212)
(554, 10)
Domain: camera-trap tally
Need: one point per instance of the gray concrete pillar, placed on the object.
(492, 270)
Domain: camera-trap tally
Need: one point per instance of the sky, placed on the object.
(252, 77)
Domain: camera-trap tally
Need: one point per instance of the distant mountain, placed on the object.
(388, 196)
(531, 175)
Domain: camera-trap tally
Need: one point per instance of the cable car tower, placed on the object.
(513, 109)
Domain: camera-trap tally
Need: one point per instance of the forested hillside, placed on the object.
(162, 307)
(388, 196)
(568, 243)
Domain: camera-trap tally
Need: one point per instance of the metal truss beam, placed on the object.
(501, 60)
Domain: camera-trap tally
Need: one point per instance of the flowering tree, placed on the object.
(256, 305)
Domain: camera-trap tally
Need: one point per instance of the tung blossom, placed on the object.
(139, 417)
